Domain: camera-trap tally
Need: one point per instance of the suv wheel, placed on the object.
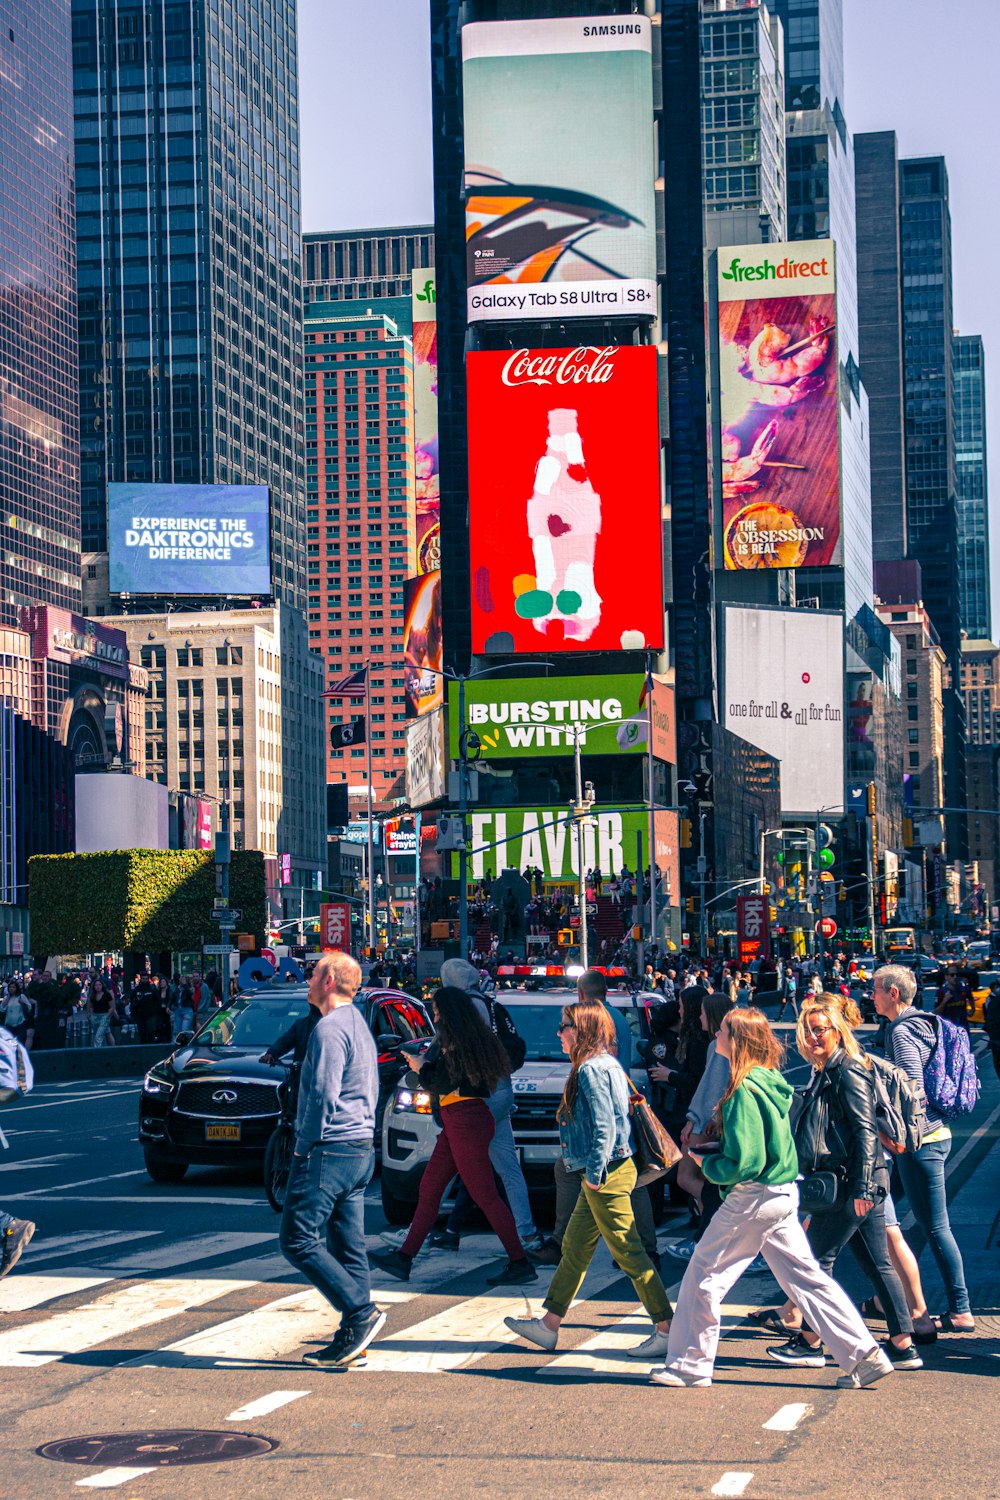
(164, 1171)
(397, 1210)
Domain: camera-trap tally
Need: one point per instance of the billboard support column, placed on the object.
(416, 885)
(581, 879)
(463, 808)
(652, 802)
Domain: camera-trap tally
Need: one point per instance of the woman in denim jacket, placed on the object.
(595, 1135)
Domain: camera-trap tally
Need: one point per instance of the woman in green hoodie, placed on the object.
(756, 1167)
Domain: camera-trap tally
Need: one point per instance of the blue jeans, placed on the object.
(183, 1020)
(6, 1220)
(922, 1176)
(323, 1224)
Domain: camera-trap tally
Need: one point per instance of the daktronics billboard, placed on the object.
(784, 690)
(189, 539)
(779, 406)
(564, 500)
(559, 169)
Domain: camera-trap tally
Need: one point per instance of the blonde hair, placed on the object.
(753, 1044)
(832, 1007)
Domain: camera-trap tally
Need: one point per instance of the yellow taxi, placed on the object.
(981, 993)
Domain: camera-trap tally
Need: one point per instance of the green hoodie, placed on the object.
(757, 1142)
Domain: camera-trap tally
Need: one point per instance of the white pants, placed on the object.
(757, 1219)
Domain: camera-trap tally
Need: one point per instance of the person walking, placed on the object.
(101, 1011)
(912, 1037)
(323, 1223)
(460, 1070)
(16, 1079)
(836, 1132)
(756, 1167)
(595, 1138)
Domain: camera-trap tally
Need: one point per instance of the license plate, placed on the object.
(223, 1132)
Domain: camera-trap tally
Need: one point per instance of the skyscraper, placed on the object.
(969, 376)
(39, 393)
(365, 264)
(190, 287)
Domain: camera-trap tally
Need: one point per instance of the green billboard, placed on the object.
(544, 838)
(535, 716)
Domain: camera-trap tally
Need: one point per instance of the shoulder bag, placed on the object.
(654, 1150)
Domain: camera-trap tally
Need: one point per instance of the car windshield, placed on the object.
(986, 978)
(536, 1025)
(252, 1021)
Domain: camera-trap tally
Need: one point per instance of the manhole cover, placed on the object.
(156, 1449)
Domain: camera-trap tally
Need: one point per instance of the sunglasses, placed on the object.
(566, 1026)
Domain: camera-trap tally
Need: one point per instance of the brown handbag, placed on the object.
(654, 1149)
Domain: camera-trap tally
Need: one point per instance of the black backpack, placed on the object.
(507, 1033)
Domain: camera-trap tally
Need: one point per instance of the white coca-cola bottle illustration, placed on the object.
(564, 521)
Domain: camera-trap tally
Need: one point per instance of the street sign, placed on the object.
(335, 924)
(220, 949)
(827, 927)
(753, 927)
(270, 955)
(226, 914)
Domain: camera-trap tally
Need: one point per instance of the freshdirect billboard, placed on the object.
(534, 716)
(188, 539)
(425, 420)
(785, 694)
(779, 406)
(559, 169)
(565, 514)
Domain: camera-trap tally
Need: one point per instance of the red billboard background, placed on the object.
(753, 928)
(564, 500)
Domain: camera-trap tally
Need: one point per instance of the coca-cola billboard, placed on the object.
(559, 169)
(564, 500)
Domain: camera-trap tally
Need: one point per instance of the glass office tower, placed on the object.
(969, 377)
(39, 397)
(189, 255)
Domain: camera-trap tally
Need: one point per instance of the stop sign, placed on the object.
(827, 927)
(271, 956)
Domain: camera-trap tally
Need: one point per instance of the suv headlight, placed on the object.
(153, 1085)
(412, 1101)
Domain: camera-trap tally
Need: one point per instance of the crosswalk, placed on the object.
(181, 1294)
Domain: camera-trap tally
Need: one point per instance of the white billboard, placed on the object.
(120, 812)
(425, 759)
(784, 693)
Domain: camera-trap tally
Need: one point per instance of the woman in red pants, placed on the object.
(461, 1068)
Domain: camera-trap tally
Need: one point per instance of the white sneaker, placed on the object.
(535, 1331)
(663, 1375)
(873, 1367)
(394, 1238)
(655, 1347)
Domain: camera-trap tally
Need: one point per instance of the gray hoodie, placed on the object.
(712, 1086)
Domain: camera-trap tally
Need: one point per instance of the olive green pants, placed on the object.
(606, 1213)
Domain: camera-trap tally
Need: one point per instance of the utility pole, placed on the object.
(463, 807)
(702, 871)
(581, 816)
(372, 932)
(652, 801)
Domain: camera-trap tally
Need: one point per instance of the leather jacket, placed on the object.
(836, 1129)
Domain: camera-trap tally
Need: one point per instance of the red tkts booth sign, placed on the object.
(753, 928)
(335, 925)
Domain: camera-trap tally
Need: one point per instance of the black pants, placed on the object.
(828, 1233)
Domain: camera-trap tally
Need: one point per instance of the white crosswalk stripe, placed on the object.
(186, 1252)
(19, 1293)
(85, 1244)
(606, 1353)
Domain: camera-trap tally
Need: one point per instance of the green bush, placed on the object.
(144, 900)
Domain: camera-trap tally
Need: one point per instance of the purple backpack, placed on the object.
(951, 1082)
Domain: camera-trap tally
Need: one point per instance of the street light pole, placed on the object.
(581, 879)
(371, 811)
(463, 807)
(702, 869)
(652, 801)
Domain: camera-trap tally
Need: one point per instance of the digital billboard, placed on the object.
(425, 419)
(545, 837)
(559, 168)
(779, 406)
(565, 514)
(535, 716)
(426, 768)
(784, 691)
(189, 539)
(422, 642)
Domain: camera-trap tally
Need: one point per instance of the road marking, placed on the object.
(185, 1252)
(62, 1187)
(733, 1483)
(787, 1418)
(606, 1353)
(148, 1200)
(76, 1099)
(63, 1244)
(108, 1478)
(31, 1291)
(36, 1163)
(136, 1306)
(908, 1221)
(265, 1404)
(450, 1340)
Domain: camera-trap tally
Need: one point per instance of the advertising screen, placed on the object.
(565, 515)
(188, 539)
(784, 687)
(545, 837)
(422, 661)
(779, 406)
(534, 716)
(425, 420)
(425, 759)
(559, 169)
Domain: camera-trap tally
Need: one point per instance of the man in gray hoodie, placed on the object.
(323, 1224)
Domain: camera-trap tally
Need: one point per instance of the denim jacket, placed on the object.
(599, 1135)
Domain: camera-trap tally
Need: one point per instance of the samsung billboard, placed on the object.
(189, 539)
(784, 688)
(559, 168)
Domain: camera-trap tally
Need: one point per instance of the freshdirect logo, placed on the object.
(784, 270)
(428, 294)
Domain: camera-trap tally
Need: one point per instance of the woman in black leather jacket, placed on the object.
(836, 1133)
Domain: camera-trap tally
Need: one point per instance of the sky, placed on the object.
(366, 131)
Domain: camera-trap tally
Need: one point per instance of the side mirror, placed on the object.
(182, 1038)
(390, 1043)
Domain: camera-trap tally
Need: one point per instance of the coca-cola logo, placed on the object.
(581, 366)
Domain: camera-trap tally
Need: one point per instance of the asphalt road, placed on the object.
(147, 1308)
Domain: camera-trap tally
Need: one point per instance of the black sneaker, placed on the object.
(445, 1239)
(549, 1253)
(16, 1238)
(903, 1359)
(798, 1352)
(396, 1262)
(348, 1343)
(514, 1273)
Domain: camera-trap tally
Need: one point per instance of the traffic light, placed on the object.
(689, 905)
(685, 833)
(824, 845)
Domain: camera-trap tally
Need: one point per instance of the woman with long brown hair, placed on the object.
(756, 1167)
(595, 1136)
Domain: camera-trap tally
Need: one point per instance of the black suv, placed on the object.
(212, 1102)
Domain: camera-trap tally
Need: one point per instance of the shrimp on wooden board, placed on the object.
(766, 361)
(738, 473)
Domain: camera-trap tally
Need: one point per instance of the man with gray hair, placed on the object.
(910, 1039)
(323, 1224)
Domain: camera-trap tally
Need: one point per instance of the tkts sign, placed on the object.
(565, 508)
(753, 928)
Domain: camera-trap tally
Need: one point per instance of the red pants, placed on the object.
(463, 1147)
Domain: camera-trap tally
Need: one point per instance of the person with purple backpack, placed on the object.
(924, 1047)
